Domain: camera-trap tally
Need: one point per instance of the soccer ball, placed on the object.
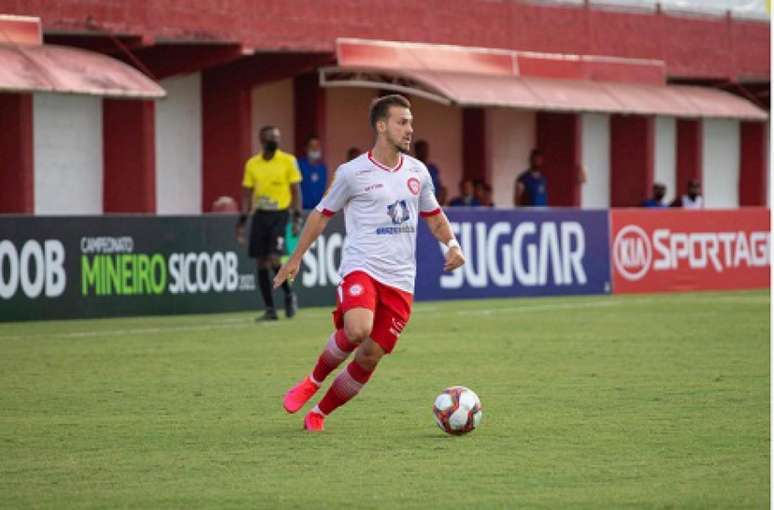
(457, 410)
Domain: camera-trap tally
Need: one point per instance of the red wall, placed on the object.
(631, 159)
(16, 154)
(701, 47)
(129, 156)
(558, 136)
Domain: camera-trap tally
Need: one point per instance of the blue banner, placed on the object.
(518, 253)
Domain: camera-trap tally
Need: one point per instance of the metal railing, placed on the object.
(744, 9)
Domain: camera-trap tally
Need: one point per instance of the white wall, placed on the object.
(441, 127)
(665, 163)
(720, 155)
(67, 139)
(273, 105)
(595, 159)
(510, 138)
(346, 123)
(179, 147)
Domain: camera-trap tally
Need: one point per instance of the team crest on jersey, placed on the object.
(355, 290)
(413, 185)
(398, 212)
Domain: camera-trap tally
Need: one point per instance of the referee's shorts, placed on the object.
(267, 233)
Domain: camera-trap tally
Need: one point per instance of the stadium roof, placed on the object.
(26, 65)
(488, 77)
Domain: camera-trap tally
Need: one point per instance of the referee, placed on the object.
(271, 189)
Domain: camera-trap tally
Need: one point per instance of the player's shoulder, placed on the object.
(412, 164)
(353, 166)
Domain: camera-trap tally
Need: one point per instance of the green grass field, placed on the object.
(603, 402)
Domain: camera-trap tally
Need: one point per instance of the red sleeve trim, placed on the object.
(328, 212)
(430, 213)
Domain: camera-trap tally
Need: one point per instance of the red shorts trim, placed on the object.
(391, 306)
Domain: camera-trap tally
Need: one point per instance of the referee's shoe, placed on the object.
(291, 305)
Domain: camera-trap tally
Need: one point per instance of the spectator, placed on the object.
(352, 153)
(467, 196)
(692, 199)
(422, 153)
(314, 173)
(483, 193)
(659, 191)
(530, 187)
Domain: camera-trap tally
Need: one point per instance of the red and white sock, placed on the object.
(346, 385)
(336, 351)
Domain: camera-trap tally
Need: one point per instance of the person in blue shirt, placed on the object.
(659, 192)
(531, 188)
(467, 195)
(314, 173)
(422, 153)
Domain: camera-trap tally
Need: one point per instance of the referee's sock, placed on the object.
(265, 284)
(285, 285)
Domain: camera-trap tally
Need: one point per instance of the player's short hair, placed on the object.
(380, 107)
(265, 129)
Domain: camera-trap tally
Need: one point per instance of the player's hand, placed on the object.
(288, 272)
(454, 259)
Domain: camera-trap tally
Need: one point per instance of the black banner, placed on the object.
(108, 266)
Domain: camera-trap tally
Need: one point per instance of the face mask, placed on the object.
(314, 155)
(270, 146)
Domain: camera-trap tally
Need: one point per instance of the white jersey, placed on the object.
(381, 209)
(693, 203)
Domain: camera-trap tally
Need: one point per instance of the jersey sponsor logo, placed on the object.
(355, 290)
(398, 212)
(413, 185)
(373, 187)
(632, 252)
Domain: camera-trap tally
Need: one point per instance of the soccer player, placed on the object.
(270, 186)
(382, 193)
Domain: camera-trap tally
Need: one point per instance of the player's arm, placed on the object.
(246, 206)
(314, 226)
(440, 228)
(295, 207)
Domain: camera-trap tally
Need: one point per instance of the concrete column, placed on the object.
(752, 164)
(559, 137)
(129, 164)
(17, 182)
(689, 153)
(632, 154)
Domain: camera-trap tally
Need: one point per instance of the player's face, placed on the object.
(398, 128)
(272, 135)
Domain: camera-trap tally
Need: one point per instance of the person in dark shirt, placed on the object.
(657, 200)
(483, 193)
(314, 172)
(467, 196)
(530, 188)
(422, 153)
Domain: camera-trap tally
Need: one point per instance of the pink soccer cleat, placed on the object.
(299, 395)
(314, 422)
